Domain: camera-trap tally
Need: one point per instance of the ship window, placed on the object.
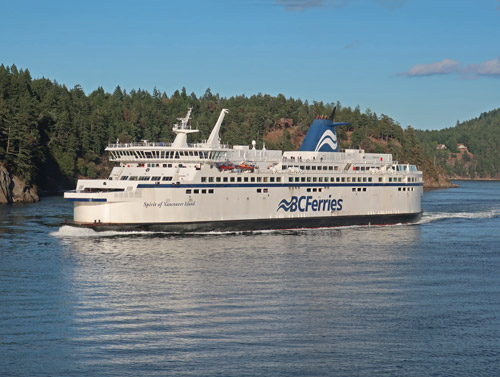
(330, 167)
(266, 190)
(336, 168)
(308, 179)
(348, 179)
(308, 190)
(217, 179)
(259, 179)
(232, 179)
(176, 155)
(210, 191)
(166, 179)
(124, 178)
(196, 191)
(290, 179)
(364, 179)
(155, 178)
(301, 167)
(343, 179)
(315, 189)
(308, 167)
(314, 179)
(210, 179)
(390, 179)
(132, 178)
(285, 167)
(353, 189)
(359, 188)
(369, 179)
(265, 179)
(245, 179)
(364, 189)
(204, 191)
(239, 179)
(203, 179)
(337, 179)
(252, 179)
(144, 178)
(259, 190)
(271, 179)
(188, 191)
(278, 179)
(225, 179)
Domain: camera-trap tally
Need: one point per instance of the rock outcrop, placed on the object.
(439, 182)
(14, 190)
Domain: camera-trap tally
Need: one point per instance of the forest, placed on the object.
(51, 135)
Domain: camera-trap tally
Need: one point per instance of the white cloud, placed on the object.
(301, 5)
(487, 68)
(437, 68)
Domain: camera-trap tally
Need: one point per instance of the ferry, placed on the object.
(211, 186)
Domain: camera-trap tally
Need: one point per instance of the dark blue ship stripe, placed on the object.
(87, 199)
(268, 185)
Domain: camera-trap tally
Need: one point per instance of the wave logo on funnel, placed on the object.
(327, 142)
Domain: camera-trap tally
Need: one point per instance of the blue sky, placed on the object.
(424, 63)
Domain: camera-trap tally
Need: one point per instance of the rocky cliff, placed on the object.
(13, 190)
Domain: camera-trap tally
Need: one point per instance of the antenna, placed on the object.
(333, 114)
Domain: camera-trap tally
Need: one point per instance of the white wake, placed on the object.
(429, 217)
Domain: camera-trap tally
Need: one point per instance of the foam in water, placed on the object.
(67, 231)
(429, 217)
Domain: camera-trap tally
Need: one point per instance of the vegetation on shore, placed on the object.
(51, 135)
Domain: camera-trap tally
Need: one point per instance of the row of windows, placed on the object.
(269, 179)
(168, 154)
(144, 178)
(241, 179)
(331, 179)
(324, 168)
(313, 189)
(311, 167)
(198, 191)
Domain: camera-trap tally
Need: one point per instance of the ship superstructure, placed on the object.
(207, 186)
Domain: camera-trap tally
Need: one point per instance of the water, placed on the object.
(406, 300)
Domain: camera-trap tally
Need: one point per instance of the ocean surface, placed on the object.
(402, 300)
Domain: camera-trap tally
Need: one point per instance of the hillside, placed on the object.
(469, 150)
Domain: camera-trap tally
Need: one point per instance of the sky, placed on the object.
(424, 63)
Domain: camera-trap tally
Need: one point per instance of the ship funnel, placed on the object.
(321, 136)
